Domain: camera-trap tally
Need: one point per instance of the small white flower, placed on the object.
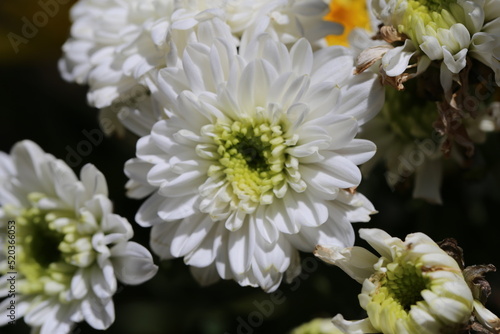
(251, 164)
(69, 247)
(413, 287)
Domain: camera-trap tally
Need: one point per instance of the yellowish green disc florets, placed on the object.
(51, 245)
(426, 17)
(414, 287)
(252, 156)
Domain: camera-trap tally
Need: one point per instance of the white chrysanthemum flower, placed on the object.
(413, 287)
(114, 44)
(69, 247)
(285, 20)
(252, 163)
(446, 31)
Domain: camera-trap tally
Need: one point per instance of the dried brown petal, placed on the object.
(370, 56)
(391, 35)
(474, 276)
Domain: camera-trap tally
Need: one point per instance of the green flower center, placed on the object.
(252, 156)
(404, 283)
(42, 243)
(398, 288)
(49, 248)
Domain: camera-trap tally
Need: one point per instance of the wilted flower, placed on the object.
(68, 249)
(413, 287)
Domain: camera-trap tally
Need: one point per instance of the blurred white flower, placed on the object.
(413, 287)
(252, 163)
(69, 247)
(407, 144)
(115, 44)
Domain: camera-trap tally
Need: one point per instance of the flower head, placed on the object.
(413, 287)
(252, 163)
(445, 31)
(70, 248)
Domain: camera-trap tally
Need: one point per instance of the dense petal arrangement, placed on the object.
(444, 31)
(252, 163)
(413, 287)
(417, 130)
(66, 248)
(115, 44)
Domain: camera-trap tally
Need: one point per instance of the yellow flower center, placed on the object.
(400, 287)
(425, 18)
(351, 14)
(252, 157)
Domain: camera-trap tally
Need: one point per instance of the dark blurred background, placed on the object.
(37, 104)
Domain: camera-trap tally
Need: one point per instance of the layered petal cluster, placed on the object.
(115, 44)
(413, 286)
(254, 160)
(445, 31)
(66, 248)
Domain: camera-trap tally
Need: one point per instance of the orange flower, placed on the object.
(351, 14)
